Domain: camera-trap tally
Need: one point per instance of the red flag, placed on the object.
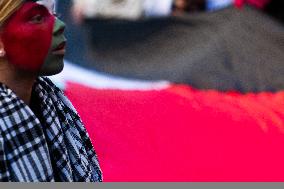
(183, 134)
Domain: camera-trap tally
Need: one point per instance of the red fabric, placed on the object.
(182, 134)
(257, 3)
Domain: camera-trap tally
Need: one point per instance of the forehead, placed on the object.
(45, 2)
(49, 4)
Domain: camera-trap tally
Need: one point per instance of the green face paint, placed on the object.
(54, 62)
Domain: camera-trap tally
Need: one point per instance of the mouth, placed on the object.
(60, 49)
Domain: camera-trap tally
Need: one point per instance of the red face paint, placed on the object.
(27, 36)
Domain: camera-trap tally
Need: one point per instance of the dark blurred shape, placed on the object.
(76, 37)
(189, 5)
(230, 49)
(276, 9)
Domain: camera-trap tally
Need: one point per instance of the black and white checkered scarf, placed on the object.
(46, 144)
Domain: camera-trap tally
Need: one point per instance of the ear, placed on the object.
(2, 49)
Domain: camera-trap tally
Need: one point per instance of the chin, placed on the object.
(52, 69)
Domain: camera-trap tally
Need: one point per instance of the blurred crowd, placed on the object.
(134, 9)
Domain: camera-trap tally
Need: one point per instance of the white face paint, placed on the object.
(49, 4)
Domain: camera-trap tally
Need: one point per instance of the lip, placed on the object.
(60, 49)
(59, 52)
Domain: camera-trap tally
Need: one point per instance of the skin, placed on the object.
(28, 38)
(180, 4)
(54, 64)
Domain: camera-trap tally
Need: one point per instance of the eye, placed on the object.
(37, 19)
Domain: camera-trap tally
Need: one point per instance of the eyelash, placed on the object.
(37, 18)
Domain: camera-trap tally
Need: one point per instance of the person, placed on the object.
(132, 9)
(121, 9)
(188, 6)
(42, 138)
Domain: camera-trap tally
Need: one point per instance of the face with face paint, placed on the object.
(26, 36)
(53, 64)
(31, 34)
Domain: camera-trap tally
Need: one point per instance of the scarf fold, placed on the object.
(7, 8)
(46, 146)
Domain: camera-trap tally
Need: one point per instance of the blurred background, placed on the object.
(208, 44)
(179, 90)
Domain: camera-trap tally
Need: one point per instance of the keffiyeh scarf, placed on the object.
(44, 143)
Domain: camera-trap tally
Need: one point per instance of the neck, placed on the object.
(19, 81)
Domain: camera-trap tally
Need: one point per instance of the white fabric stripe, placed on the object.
(97, 80)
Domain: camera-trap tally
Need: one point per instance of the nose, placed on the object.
(59, 27)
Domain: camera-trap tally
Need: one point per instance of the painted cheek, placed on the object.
(27, 44)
